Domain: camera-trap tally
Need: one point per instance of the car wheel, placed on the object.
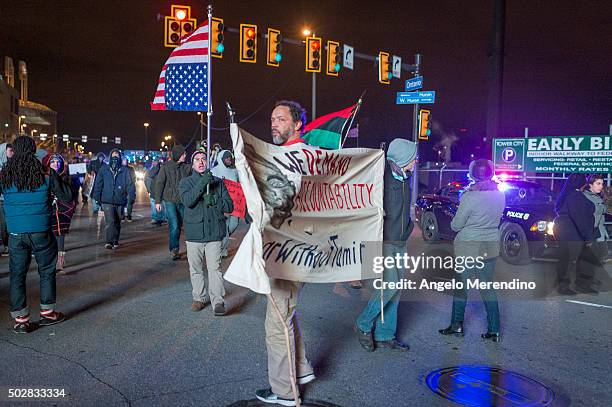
(429, 227)
(514, 247)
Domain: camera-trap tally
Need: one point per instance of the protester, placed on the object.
(27, 201)
(226, 169)
(62, 210)
(598, 247)
(112, 188)
(167, 192)
(477, 225)
(6, 152)
(574, 229)
(157, 217)
(94, 168)
(130, 202)
(206, 200)
(287, 126)
(397, 227)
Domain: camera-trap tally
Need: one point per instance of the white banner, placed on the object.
(312, 210)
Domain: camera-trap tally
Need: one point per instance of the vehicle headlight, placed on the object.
(539, 226)
(550, 228)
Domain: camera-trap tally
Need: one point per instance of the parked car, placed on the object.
(526, 228)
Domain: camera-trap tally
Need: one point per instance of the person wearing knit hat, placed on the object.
(166, 191)
(397, 227)
(28, 193)
(477, 225)
(206, 200)
(112, 188)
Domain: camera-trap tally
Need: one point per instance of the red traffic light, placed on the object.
(250, 33)
(315, 45)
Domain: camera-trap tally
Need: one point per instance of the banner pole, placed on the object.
(289, 356)
(359, 102)
(209, 112)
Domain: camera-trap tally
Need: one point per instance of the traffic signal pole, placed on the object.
(415, 138)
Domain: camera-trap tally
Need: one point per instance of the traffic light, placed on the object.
(334, 58)
(275, 47)
(248, 43)
(424, 124)
(313, 54)
(385, 68)
(177, 25)
(217, 37)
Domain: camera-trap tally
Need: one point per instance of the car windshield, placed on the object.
(527, 195)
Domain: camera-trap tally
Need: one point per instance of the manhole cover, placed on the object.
(488, 386)
(257, 403)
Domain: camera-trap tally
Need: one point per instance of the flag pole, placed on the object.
(359, 103)
(209, 112)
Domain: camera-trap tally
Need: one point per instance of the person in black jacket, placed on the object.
(372, 333)
(167, 191)
(112, 188)
(206, 202)
(574, 229)
(93, 168)
(127, 215)
(157, 217)
(28, 194)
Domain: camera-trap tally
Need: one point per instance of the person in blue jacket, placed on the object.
(28, 194)
(112, 188)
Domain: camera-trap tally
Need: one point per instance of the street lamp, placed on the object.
(146, 128)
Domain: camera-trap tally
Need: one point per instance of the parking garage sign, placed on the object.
(563, 154)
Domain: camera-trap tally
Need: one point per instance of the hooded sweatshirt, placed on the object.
(222, 171)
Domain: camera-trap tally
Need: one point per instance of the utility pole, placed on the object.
(496, 70)
(415, 138)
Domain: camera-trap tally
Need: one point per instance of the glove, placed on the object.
(206, 177)
(210, 200)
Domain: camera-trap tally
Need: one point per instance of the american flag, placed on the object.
(183, 82)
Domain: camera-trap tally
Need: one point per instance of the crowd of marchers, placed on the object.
(189, 194)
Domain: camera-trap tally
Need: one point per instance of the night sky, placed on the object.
(97, 64)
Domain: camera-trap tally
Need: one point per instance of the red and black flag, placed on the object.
(328, 131)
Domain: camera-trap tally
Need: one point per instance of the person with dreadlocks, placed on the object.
(62, 210)
(28, 194)
(112, 188)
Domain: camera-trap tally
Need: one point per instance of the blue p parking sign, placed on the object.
(508, 154)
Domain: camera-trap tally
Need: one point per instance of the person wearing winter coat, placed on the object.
(574, 230)
(157, 217)
(63, 211)
(6, 152)
(112, 188)
(477, 225)
(167, 192)
(28, 194)
(226, 169)
(93, 169)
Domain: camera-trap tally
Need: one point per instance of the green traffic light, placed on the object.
(428, 132)
(337, 67)
(390, 75)
(220, 48)
(278, 57)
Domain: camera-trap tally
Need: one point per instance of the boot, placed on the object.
(455, 329)
(59, 266)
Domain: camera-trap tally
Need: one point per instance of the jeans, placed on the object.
(370, 316)
(489, 297)
(231, 224)
(155, 215)
(44, 247)
(130, 207)
(112, 219)
(174, 212)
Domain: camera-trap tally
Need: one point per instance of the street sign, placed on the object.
(415, 83)
(508, 154)
(561, 154)
(397, 66)
(349, 55)
(412, 98)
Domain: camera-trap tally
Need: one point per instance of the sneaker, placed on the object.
(197, 306)
(267, 396)
(154, 222)
(393, 344)
(365, 339)
(22, 325)
(50, 317)
(115, 246)
(59, 265)
(108, 246)
(306, 378)
(129, 218)
(5, 251)
(174, 254)
(219, 309)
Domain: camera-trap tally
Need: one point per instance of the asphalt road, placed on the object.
(131, 338)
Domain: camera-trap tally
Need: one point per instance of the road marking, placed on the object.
(589, 304)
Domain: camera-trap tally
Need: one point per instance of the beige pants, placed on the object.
(285, 294)
(195, 256)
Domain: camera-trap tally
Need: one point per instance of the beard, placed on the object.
(279, 138)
